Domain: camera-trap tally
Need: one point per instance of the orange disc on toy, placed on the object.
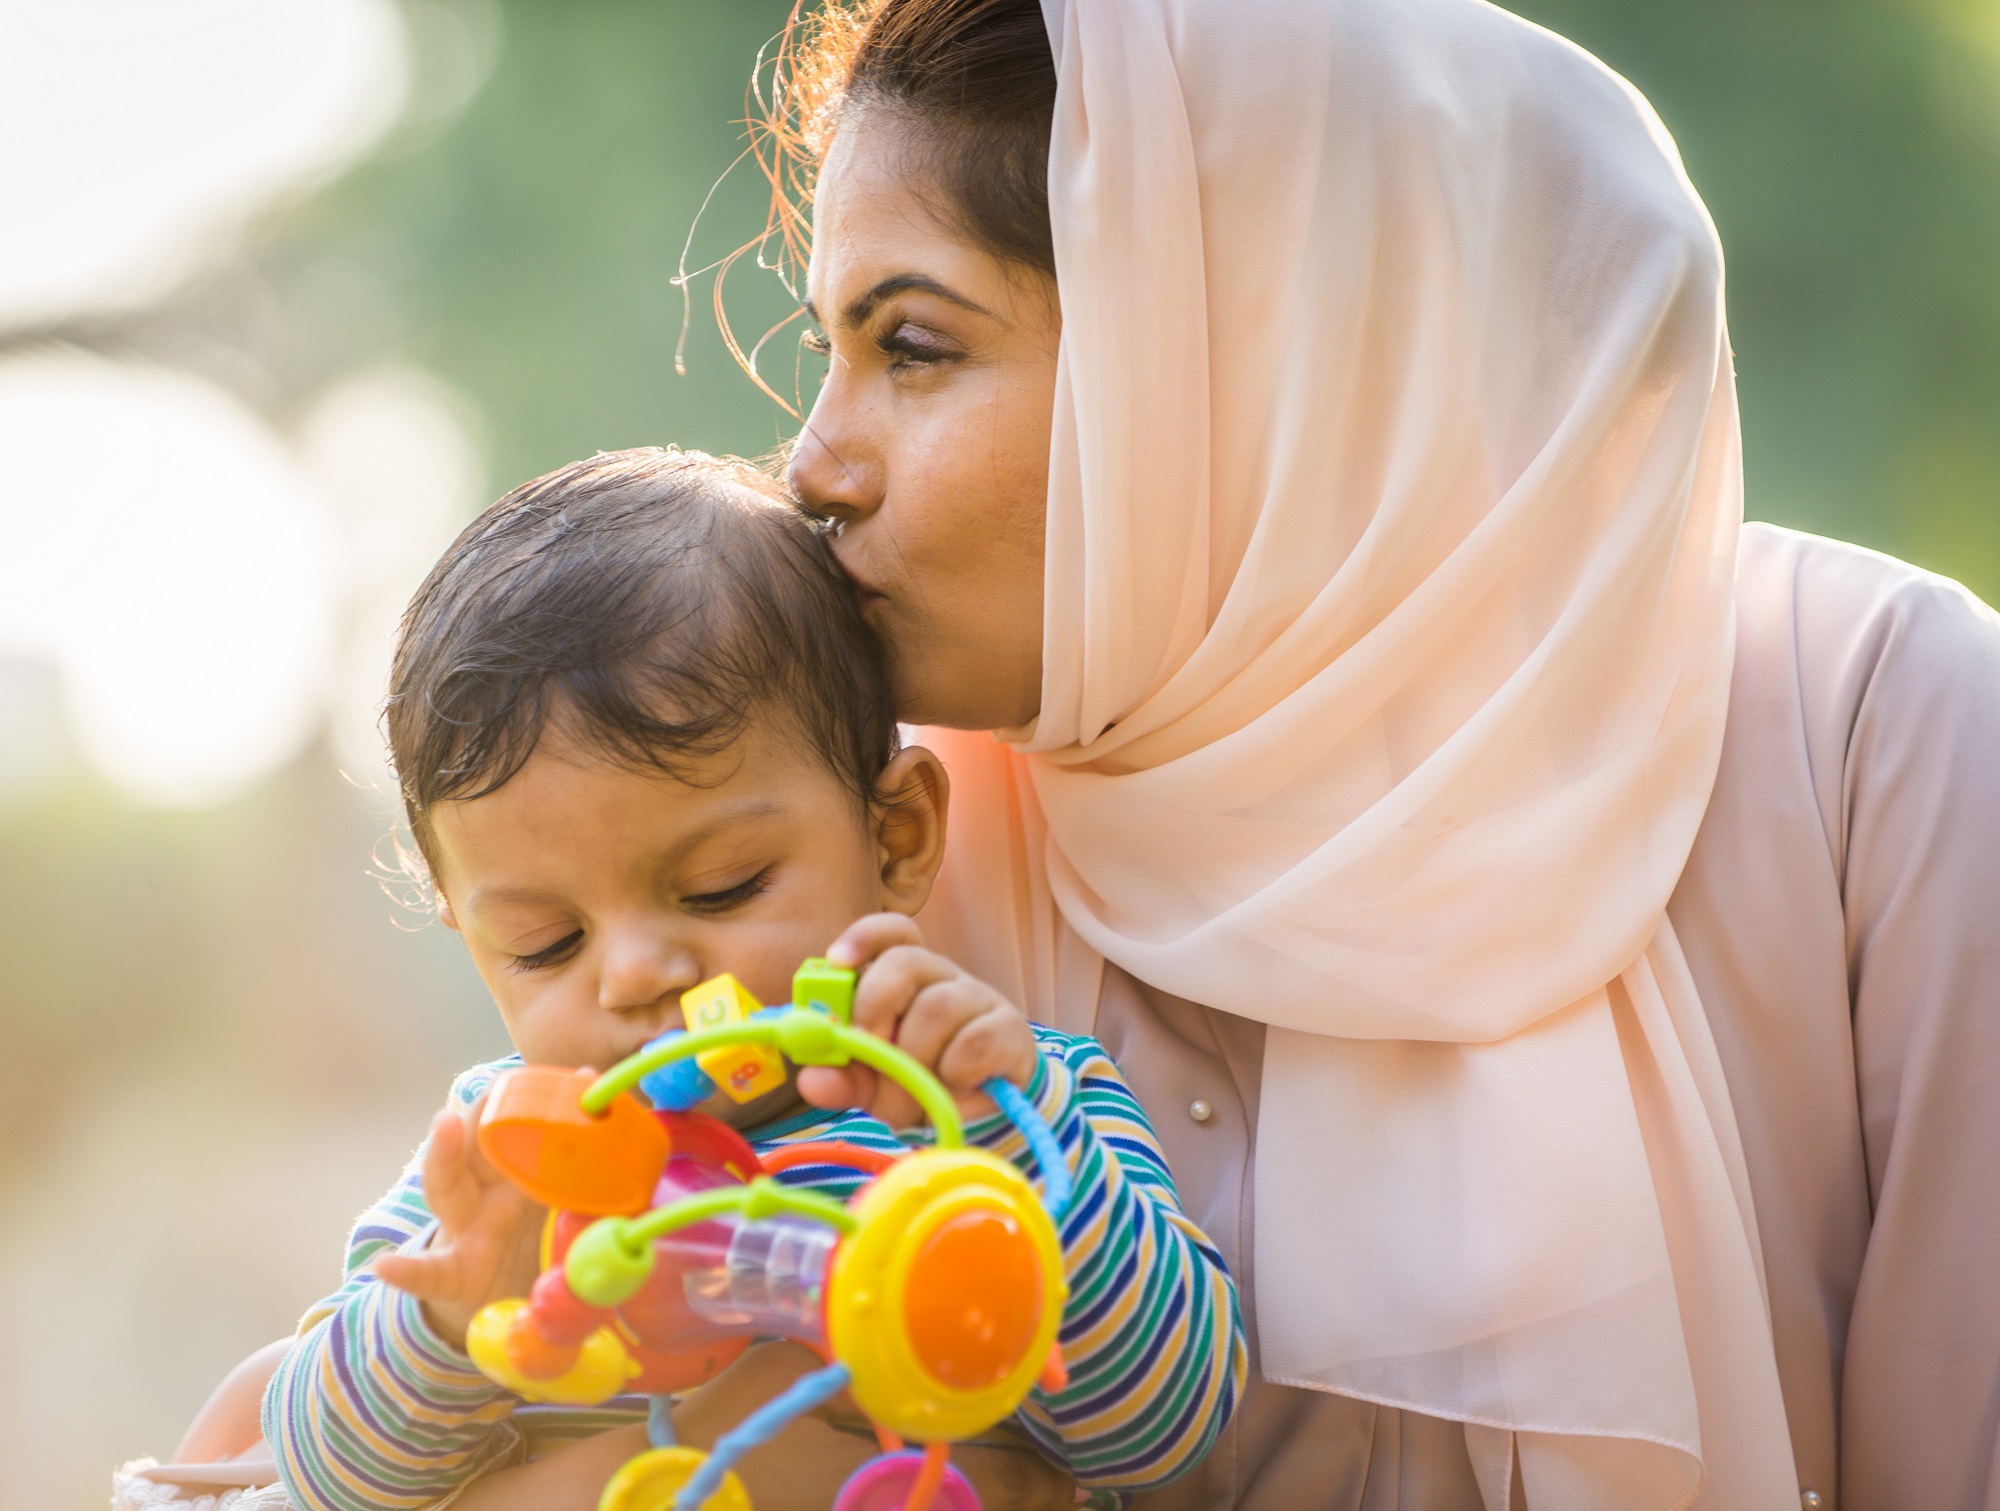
(973, 1299)
(536, 1133)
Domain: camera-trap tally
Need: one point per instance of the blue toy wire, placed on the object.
(763, 1424)
(1056, 1184)
(660, 1422)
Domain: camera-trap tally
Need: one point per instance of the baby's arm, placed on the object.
(376, 1407)
(1151, 1334)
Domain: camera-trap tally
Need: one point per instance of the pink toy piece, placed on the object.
(675, 1346)
(883, 1484)
(713, 1287)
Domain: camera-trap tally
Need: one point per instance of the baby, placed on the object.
(644, 738)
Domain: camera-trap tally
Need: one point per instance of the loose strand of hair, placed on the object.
(792, 91)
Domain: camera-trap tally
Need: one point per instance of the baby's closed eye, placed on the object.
(723, 899)
(549, 954)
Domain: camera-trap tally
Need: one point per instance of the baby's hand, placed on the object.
(955, 1024)
(488, 1237)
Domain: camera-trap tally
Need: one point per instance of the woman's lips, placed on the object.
(866, 591)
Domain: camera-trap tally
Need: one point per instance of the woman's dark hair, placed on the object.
(652, 600)
(974, 79)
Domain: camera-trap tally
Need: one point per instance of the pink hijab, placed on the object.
(1392, 519)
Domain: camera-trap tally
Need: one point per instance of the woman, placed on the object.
(1554, 936)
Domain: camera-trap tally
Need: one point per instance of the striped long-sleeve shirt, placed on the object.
(373, 1410)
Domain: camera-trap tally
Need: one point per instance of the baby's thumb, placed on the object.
(451, 1190)
(831, 1086)
(413, 1274)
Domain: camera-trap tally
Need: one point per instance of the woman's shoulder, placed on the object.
(1849, 616)
(1875, 680)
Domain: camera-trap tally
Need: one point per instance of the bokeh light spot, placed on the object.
(166, 556)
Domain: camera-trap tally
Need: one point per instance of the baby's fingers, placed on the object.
(995, 1042)
(889, 988)
(428, 1277)
(452, 1188)
(837, 1085)
(937, 1013)
(868, 937)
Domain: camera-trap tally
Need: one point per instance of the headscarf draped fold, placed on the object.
(1393, 503)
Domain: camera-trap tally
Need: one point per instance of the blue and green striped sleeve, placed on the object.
(1152, 1334)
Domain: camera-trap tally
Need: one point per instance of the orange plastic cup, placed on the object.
(536, 1133)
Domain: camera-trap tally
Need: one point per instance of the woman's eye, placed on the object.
(728, 897)
(551, 954)
(910, 346)
(816, 343)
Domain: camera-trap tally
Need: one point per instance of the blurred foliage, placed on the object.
(1850, 153)
(529, 252)
(253, 939)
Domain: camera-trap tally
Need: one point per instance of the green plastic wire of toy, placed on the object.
(762, 1197)
(805, 1037)
(613, 1257)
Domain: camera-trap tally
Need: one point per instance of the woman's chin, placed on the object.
(970, 707)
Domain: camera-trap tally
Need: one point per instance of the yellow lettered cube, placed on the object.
(719, 1002)
(743, 1071)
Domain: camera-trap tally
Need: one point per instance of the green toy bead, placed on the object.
(809, 1038)
(602, 1270)
(822, 984)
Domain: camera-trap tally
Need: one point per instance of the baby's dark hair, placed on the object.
(655, 601)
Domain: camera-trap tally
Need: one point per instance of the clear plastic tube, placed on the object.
(770, 1279)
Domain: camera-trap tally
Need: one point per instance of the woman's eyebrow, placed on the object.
(862, 306)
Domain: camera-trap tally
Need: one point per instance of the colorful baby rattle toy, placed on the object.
(933, 1294)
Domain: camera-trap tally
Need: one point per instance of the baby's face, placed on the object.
(592, 895)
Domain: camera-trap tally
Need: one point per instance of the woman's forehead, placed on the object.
(875, 224)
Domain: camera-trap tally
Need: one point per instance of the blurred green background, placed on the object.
(225, 1035)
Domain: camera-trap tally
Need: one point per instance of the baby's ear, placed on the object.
(445, 915)
(908, 810)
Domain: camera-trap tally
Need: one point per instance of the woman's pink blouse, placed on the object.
(1841, 914)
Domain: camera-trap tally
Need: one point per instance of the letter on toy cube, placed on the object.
(743, 1071)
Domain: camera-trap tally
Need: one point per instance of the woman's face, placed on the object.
(929, 443)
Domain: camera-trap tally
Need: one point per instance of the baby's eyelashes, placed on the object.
(723, 900)
(550, 954)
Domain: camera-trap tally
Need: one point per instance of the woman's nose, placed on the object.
(832, 469)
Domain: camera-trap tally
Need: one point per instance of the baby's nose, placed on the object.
(644, 978)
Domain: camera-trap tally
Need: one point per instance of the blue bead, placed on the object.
(679, 1084)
